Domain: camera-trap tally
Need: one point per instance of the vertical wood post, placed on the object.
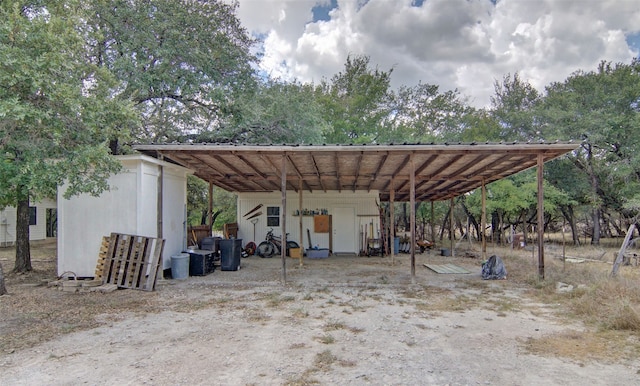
(451, 224)
(159, 214)
(159, 208)
(300, 222)
(433, 229)
(620, 256)
(540, 217)
(283, 246)
(484, 221)
(210, 220)
(412, 197)
(392, 228)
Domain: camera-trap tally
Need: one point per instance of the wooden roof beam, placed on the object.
(300, 177)
(374, 176)
(195, 166)
(335, 161)
(315, 167)
(358, 162)
(397, 171)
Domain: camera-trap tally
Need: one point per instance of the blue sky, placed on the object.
(457, 44)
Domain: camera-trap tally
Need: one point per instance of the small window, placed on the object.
(32, 215)
(273, 216)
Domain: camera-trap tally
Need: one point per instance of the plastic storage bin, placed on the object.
(230, 252)
(321, 253)
(201, 262)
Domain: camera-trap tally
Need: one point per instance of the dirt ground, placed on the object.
(340, 320)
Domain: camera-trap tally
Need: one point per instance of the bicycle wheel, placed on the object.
(266, 249)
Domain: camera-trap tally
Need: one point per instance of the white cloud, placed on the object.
(452, 43)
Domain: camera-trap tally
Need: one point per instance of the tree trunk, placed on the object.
(405, 217)
(3, 289)
(595, 191)
(445, 221)
(23, 251)
(567, 212)
(595, 237)
(472, 219)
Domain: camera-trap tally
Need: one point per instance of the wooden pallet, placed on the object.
(102, 257)
(130, 261)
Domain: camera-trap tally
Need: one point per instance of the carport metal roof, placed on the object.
(442, 171)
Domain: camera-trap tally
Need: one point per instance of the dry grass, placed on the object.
(609, 346)
(609, 307)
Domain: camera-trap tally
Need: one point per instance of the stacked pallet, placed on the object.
(124, 261)
(130, 261)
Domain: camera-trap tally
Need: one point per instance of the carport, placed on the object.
(399, 173)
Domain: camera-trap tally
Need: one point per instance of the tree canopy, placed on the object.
(57, 112)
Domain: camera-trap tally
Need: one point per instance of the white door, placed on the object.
(344, 230)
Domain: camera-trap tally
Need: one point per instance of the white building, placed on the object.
(42, 213)
(148, 198)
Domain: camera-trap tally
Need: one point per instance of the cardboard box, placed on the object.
(295, 253)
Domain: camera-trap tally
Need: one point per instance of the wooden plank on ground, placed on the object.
(446, 268)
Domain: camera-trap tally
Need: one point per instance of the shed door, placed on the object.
(344, 230)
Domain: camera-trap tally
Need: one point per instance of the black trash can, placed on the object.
(230, 252)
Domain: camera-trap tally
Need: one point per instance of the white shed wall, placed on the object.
(360, 205)
(8, 218)
(129, 207)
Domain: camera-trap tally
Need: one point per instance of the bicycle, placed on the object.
(272, 245)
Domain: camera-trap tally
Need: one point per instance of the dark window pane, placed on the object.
(32, 215)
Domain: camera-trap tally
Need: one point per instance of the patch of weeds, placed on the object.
(296, 346)
(623, 317)
(256, 315)
(300, 313)
(324, 360)
(275, 300)
(307, 297)
(604, 346)
(304, 379)
(334, 325)
(356, 330)
(376, 297)
(503, 305)
(331, 302)
(384, 279)
(446, 303)
(347, 363)
(326, 339)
